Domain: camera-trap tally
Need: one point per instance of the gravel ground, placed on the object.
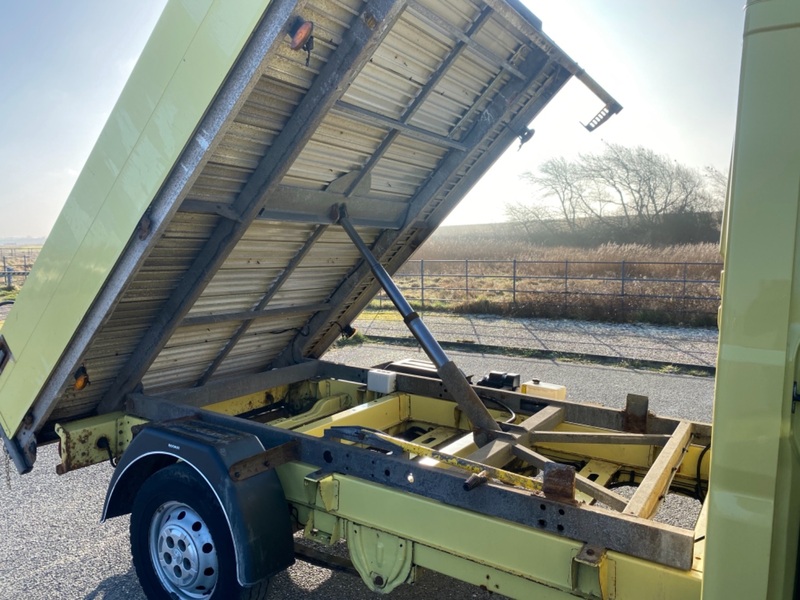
(679, 345)
(51, 545)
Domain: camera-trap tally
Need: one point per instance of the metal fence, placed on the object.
(15, 265)
(620, 289)
(623, 290)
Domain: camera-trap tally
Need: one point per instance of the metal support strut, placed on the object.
(452, 377)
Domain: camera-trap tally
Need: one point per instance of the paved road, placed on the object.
(51, 545)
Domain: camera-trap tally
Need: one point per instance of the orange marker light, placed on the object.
(81, 379)
(301, 30)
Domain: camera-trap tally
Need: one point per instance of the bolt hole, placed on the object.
(327, 456)
(561, 511)
(181, 515)
(167, 558)
(590, 552)
(170, 542)
(207, 548)
(387, 472)
(560, 527)
(197, 526)
(542, 523)
(187, 564)
(182, 545)
(209, 571)
(543, 507)
(177, 571)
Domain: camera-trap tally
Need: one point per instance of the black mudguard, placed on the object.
(256, 508)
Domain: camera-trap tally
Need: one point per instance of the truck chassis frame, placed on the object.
(346, 467)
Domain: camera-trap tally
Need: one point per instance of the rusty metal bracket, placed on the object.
(264, 461)
(558, 482)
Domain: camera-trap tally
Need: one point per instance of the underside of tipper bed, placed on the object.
(199, 241)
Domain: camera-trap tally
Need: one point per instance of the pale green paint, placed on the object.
(188, 56)
(751, 547)
(470, 546)
(79, 447)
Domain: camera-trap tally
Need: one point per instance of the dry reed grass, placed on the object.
(613, 282)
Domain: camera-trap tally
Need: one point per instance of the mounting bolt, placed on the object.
(378, 580)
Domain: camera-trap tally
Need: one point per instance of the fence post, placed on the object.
(466, 278)
(514, 284)
(622, 291)
(422, 282)
(7, 273)
(685, 268)
(566, 286)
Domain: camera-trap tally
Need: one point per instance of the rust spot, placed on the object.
(559, 481)
(370, 20)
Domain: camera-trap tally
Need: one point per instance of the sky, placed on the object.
(673, 66)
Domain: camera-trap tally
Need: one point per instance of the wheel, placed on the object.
(180, 541)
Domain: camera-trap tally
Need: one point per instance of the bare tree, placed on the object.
(618, 188)
(562, 180)
(717, 187)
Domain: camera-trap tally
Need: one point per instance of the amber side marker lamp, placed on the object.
(300, 33)
(81, 379)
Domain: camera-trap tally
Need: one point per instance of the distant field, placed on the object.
(495, 269)
(506, 241)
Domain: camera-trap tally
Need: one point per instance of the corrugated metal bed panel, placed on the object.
(265, 250)
(310, 282)
(256, 350)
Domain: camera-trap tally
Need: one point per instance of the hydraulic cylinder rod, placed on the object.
(451, 375)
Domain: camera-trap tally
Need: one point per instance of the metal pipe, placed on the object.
(451, 375)
(411, 318)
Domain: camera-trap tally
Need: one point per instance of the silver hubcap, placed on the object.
(184, 555)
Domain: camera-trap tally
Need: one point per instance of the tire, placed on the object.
(180, 541)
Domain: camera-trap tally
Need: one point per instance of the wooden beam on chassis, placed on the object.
(653, 488)
(357, 46)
